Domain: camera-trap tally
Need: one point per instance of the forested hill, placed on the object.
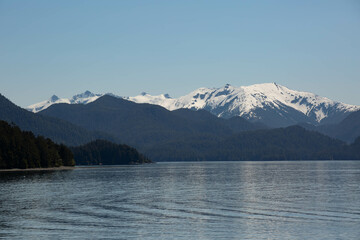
(20, 149)
(291, 143)
(107, 153)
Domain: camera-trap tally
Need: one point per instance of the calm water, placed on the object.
(206, 200)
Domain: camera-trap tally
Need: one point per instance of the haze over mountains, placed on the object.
(269, 103)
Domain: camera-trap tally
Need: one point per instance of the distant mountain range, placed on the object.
(179, 135)
(269, 103)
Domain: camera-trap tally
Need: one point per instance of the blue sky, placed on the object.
(127, 47)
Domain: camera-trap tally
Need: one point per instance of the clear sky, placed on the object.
(126, 47)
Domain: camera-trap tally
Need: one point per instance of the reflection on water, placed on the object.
(199, 200)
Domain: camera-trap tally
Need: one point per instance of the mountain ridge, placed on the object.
(138, 124)
(268, 103)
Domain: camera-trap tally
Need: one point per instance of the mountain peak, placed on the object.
(85, 94)
(166, 95)
(54, 98)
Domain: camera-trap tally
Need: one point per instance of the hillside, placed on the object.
(59, 131)
(291, 143)
(347, 130)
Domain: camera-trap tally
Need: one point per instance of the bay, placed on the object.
(185, 200)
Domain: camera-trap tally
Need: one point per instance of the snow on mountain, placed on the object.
(83, 98)
(269, 103)
(163, 100)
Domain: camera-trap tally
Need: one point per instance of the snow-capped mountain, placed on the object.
(269, 103)
(82, 98)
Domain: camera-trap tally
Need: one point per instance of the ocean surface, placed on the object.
(187, 200)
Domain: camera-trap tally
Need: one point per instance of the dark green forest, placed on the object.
(21, 149)
(101, 152)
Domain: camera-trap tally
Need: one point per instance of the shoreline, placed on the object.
(62, 168)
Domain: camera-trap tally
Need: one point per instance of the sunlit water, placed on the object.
(198, 200)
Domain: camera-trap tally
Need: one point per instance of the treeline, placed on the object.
(21, 149)
(101, 152)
